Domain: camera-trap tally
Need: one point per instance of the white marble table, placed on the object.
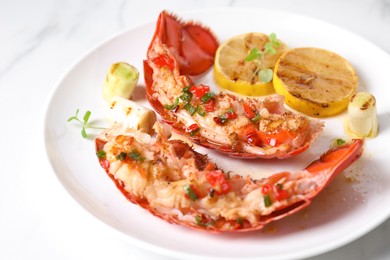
(39, 40)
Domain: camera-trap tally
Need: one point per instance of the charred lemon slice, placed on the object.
(232, 72)
(315, 81)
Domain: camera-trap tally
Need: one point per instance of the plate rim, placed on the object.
(159, 249)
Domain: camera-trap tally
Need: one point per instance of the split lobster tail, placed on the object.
(194, 45)
(182, 186)
(239, 127)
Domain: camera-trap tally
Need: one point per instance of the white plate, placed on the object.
(346, 210)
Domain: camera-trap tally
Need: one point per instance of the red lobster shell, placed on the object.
(182, 186)
(179, 49)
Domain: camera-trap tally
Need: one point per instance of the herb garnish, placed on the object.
(265, 75)
(84, 122)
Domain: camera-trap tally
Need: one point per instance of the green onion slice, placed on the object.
(190, 109)
(206, 97)
(340, 141)
(200, 110)
(230, 110)
(186, 89)
(256, 118)
(136, 156)
(194, 132)
(173, 106)
(267, 201)
(186, 96)
(198, 220)
(121, 156)
(190, 192)
(101, 154)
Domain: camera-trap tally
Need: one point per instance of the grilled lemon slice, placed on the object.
(232, 72)
(315, 81)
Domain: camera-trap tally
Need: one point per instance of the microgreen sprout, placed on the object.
(265, 75)
(84, 122)
(337, 142)
(340, 141)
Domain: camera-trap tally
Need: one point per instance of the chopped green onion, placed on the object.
(221, 119)
(240, 221)
(173, 106)
(224, 118)
(186, 89)
(101, 154)
(190, 109)
(136, 156)
(200, 110)
(190, 192)
(186, 96)
(121, 156)
(206, 97)
(256, 118)
(194, 132)
(267, 201)
(198, 220)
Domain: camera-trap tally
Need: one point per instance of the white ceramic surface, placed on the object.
(344, 212)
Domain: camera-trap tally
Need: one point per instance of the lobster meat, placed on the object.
(238, 127)
(174, 182)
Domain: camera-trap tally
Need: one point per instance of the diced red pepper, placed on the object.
(163, 60)
(277, 138)
(281, 195)
(252, 136)
(231, 114)
(222, 119)
(249, 113)
(214, 177)
(192, 129)
(266, 189)
(199, 91)
(225, 187)
(218, 180)
(210, 106)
